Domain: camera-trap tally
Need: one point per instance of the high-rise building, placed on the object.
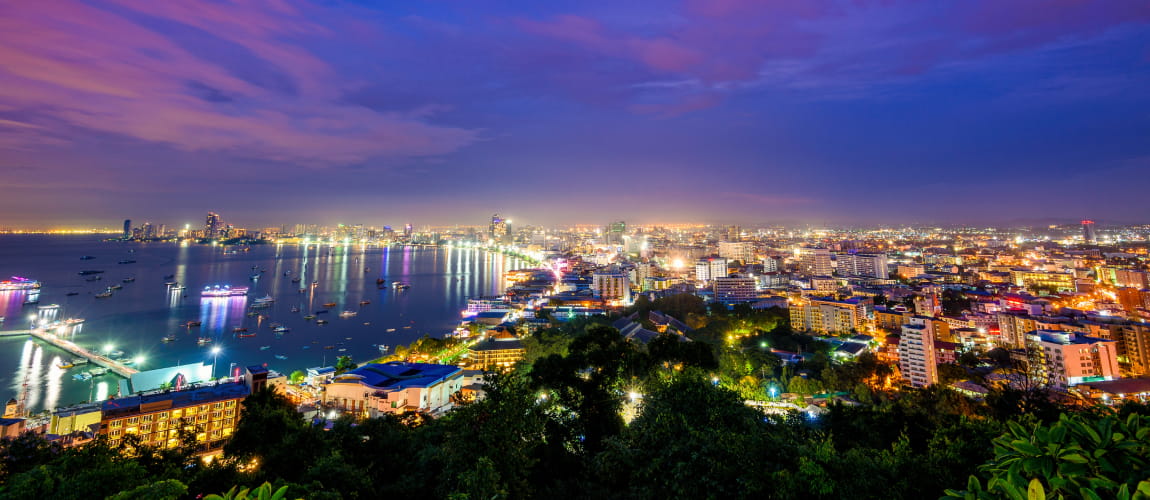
(498, 231)
(1062, 359)
(709, 269)
(615, 232)
(408, 231)
(863, 265)
(734, 233)
(213, 226)
(814, 261)
(831, 316)
(735, 290)
(917, 359)
(742, 251)
(1088, 233)
(127, 228)
(611, 286)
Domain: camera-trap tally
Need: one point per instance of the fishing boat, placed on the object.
(347, 314)
(104, 295)
(169, 338)
(329, 304)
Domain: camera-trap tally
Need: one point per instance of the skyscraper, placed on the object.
(408, 231)
(734, 233)
(127, 228)
(213, 226)
(615, 232)
(498, 230)
(814, 261)
(1088, 233)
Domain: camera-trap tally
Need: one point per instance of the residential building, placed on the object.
(917, 356)
(709, 269)
(742, 251)
(208, 413)
(863, 265)
(1063, 359)
(612, 287)
(821, 315)
(735, 290)
(814, 261)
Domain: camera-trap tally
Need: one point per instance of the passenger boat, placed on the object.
(18, 283)
(224, 291)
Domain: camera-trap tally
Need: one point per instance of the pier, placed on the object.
(112, 365)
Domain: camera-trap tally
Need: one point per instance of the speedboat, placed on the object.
(64, 365)
(82, 376)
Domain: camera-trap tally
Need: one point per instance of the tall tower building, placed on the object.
(863, 265)
(408, 231)
(213, 226)
(127, 228)
(1088, 233)
(814, 261)
(734, 233)
(498, 230)
(615, 232)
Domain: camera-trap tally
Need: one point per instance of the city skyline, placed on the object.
(993, 113)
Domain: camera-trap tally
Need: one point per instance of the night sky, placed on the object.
(777, 111)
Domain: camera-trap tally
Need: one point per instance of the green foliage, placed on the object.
(297, 376)
(167, 489)
(262, 492)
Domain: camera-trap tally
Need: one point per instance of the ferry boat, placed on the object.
(265, 300)
(224, 291)
(347, 314)
(18, 283)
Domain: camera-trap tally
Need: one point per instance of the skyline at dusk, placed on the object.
(569, 112)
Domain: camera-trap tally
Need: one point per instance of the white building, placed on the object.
(863, 265)
(917, 359)
(814, 261)
(707, 270)
(376, 389)
(742, 251)
(611, 286)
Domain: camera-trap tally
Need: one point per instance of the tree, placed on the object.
(297, 376)
(344, 364)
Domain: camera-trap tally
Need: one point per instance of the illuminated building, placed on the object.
(611, 286)
(209, 413)
(495, 353)
(1062, 359)
(917, 358)
(735, 290)
(615, 232)
(830, 316)
(734, 233)
(742, 251)
(908, 271)
(213, 226)
(709, 269)
(1088, 234)
(1059, 282)
(498, 230)
(863, 265)
(814, 261)
(127, 228)
(375, 389)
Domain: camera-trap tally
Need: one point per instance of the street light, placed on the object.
(215, 355)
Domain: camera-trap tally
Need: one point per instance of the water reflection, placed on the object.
(217, 312)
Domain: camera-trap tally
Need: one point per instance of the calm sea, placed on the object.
(137, 317)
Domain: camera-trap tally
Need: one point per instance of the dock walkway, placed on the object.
(114, 366)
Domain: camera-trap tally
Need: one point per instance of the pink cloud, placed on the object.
(73, 64)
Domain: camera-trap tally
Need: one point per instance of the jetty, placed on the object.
(112, 365)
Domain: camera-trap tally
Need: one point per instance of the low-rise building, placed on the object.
(495, 353)
(376, 389)
(208, 413)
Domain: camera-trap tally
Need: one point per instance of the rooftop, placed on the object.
(398, 375)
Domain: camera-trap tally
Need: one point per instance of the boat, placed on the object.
(18, 283)
(366, 323)
(86, 257)
(280, 356)
(342, 349)
(116, 287)
(79, 361)
(347, 314)
(126, 261)
(204, 340)
(129, 279)
(287, 273)
(281, 329)
(192, 323)
(364, 302)
(321, 321)
(406, 327)
(321, 311)
(329, 304)
(400, 285)
(246, 335)
(329, 347)
(252, 314)
(93, 278)
(265, 347)
(384, 348)
(89, 272)
(389, 330)
(309, 317)
(239, 329)
(380, 281)
(96, 372)
(265, 300)
(104, 295)
(64, 365)
(254, 277)
(295, 280)
(171, 284)
(115, 354)
(82, 376)
(169, 276)
(294, 309)
(224, 291)
(72, 293)
(169, 338)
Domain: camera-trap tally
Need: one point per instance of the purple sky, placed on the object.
(574, 111)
